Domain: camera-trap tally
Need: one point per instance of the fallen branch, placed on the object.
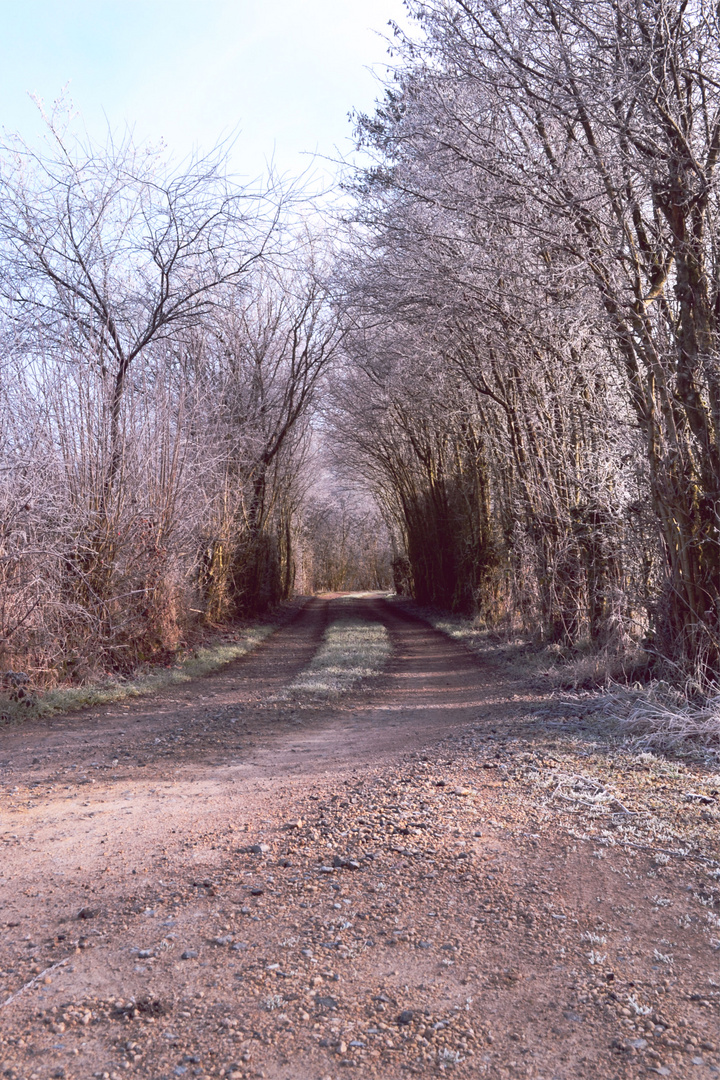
(573, 781)
(33, 982)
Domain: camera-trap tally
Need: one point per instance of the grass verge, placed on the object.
(580, 668)
(476, 637)
(202, 661)
(353, 650)
(649, 716)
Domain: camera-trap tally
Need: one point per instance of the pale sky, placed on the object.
(284, 72)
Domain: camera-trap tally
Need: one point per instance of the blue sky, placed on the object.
(284, 72)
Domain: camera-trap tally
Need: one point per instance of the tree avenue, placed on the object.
(495, 381)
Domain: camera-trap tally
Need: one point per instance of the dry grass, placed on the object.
(659, 717)
(353, 650)
(475, 635)
(582, 668)
(587, 670)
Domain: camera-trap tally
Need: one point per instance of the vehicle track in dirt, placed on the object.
(418, 901)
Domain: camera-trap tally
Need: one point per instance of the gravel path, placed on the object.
(445, 871)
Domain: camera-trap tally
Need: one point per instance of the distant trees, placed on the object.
(538, 238)
(344, 544)
(400, 423)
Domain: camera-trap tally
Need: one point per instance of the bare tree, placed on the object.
(605, 120)
(106, 250)
(162, 354)
(264, 362)
(484, 394)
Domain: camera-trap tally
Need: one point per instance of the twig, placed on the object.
(575, 802)
(599, 788)
(36, 979)
(666, 851)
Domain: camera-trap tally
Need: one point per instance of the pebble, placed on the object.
(339, 863)
(325, 1002)
(189, 954)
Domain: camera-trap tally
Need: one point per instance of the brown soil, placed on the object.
(454, 873)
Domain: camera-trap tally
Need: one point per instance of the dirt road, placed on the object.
(443, 872)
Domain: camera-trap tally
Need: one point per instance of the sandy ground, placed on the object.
(446, 871)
